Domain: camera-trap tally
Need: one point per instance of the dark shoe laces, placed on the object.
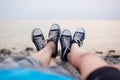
(78, 39)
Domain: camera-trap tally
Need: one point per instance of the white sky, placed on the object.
(60, 9)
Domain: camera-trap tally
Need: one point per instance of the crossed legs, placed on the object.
(44, 55)
(85, 62)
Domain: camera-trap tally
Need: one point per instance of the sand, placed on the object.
(101, 35)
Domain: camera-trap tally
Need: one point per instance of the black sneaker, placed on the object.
(65, 41)
(38, 39)
(79, 36)
(54, 35)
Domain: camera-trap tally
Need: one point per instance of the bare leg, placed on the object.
(52, 62)
(116, 66)
(84, 61)
(50, 50)
(44, 55)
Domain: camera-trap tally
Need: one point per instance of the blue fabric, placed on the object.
(30, 74)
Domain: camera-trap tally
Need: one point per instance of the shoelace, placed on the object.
(66, 42)
(78, 39)
(65, 51)
(53, 36)
(40, 42)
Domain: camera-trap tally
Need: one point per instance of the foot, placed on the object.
(54, 34)
(65, 41)
(38, 39)
(79, 36)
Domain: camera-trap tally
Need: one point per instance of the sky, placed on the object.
(59, 9)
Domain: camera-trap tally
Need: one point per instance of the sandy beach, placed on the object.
(101, 35)
(102, 38)
(99, 18)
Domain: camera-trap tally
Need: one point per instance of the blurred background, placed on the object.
(100, 18)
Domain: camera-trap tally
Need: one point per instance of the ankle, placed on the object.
(74, 44)
(51, 43)
(51, 46)
(73, 60)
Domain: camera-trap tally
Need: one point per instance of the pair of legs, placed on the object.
(85, 62)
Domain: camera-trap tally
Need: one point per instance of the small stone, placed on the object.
(5, 51)
(116, 56)
(111, 51)
(29, 49)
(99, 52)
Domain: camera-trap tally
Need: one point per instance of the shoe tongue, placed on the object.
(67, 41)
